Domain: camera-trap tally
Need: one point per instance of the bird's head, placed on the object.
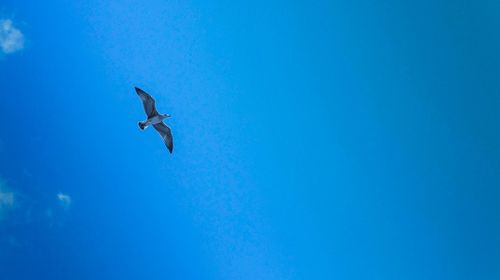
(166, 116)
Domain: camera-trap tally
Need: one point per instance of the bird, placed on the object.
(155, 119)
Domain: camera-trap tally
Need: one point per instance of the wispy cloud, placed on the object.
(22, 212)
(7, 199)
(11, 38)
(64, 199)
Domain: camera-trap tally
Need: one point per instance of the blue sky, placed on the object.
(327, 140)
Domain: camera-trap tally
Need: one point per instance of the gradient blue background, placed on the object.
(313, 140)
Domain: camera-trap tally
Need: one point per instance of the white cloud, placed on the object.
(11, 38)
(64, 199)
(7, 199)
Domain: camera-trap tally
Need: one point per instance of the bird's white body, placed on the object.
(154, 120)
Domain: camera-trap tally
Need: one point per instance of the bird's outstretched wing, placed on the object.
(148, 102)
(166, 135)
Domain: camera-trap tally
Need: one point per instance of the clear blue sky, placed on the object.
(313, 140)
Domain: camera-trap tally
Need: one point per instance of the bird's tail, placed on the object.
(142, 125)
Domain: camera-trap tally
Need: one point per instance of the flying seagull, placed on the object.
(155, 119)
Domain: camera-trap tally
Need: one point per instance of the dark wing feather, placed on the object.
(166, 135)
(148, 102)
